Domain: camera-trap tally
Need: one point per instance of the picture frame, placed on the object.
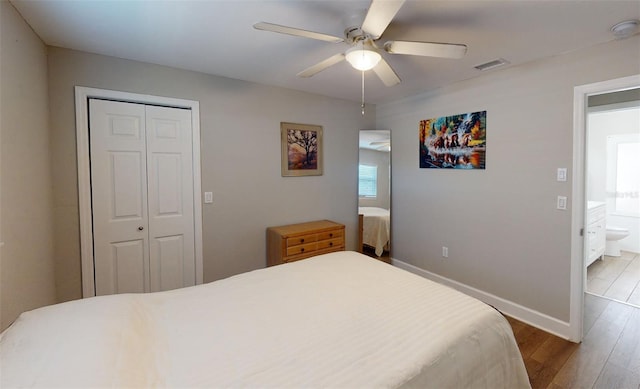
(454, 141)
(301, 149)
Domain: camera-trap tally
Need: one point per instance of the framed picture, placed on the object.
(454, 142)
(301, 149)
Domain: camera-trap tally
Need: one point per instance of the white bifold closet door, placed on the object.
(142, 197)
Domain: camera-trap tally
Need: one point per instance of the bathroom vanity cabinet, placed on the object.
(596, 231)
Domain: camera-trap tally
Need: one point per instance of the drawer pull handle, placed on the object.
(301, 240)
(302, 249)
(330, 243)
(331, 235)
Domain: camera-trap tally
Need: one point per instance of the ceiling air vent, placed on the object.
(491, 64)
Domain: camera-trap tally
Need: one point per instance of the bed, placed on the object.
(375, 228)
(335, 320)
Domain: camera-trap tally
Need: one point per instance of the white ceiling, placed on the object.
(217, 37)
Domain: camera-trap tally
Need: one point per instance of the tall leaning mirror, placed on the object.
(374, 194)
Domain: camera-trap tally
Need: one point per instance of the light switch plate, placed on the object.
(562, 202)
(562, 174)
(208, 197)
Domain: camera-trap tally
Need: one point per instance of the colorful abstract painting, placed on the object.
(454, 142)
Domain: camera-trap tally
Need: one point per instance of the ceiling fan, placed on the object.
(364, 53)
(381, 145)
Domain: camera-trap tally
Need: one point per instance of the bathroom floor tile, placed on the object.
(635, 297)
(614, 267)
(595, 268)
(616, 278)
(598, 286)
(634, 266)
(627, 256)
(623, 286)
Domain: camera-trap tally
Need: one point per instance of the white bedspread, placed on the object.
(335, 320)
(376, 227)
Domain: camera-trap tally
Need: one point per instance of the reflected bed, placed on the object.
(375, 228)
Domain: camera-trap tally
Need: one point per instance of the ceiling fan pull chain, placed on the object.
(362, 105)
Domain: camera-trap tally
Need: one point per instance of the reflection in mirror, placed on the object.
(374, 194)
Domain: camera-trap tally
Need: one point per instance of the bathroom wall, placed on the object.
(604, 121)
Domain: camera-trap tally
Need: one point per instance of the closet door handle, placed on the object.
(140, 228)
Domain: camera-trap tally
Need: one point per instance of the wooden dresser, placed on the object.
(294, 242)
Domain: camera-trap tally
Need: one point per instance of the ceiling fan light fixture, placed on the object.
(362, 58)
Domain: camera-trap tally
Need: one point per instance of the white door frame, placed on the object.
(578, 212)
(83, 94)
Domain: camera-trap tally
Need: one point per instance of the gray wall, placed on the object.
(504, 235)
(27, 268)
(240, 154)
(503, 232)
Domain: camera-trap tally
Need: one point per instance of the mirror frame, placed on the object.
(375, 140)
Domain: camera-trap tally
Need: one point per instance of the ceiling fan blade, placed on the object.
(296, 32)
(380, 14)
(317, 68)
(386, 73)
(427, 49)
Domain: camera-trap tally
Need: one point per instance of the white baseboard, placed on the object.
(524, 314)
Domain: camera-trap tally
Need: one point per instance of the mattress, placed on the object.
(335, 320)
(376, 228)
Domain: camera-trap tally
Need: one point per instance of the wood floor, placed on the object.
(371, 251)
(617, 278)
(608, 357)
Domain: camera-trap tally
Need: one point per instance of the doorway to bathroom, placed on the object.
(612, 195)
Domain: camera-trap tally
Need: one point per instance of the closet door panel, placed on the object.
(170, 187)
(128, 266)
(119, 196)
(125, 176)
(169, 261)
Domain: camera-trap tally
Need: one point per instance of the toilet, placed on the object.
(614, 234)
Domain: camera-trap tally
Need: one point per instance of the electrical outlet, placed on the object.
(445, 252)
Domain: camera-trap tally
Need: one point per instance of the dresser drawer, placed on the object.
(324, 244)
(298, 240)
(302, 248)
(338, 233)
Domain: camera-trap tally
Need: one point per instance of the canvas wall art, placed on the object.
(454, 142)
(301, 149)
